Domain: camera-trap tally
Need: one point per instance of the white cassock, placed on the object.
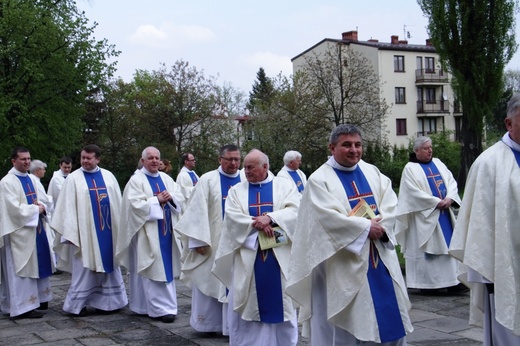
(235, 260)
(78, 248)
(21, 289)
(139, 249)
(201, 225)
(185, 182)
(284, 173)
(330, 261)
(57, 180)
(486, 239)
(428, 264)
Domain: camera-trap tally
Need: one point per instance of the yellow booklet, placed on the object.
(362, 209)
(279, 239)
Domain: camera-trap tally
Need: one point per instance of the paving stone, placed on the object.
(446, 324)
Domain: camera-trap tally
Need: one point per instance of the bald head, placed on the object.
(256, 166)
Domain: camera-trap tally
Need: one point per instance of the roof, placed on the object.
(375, 44)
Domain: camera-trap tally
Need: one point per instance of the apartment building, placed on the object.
(413, 84)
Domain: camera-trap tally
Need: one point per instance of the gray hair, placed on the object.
(291, 155)
(37, 164)
(143, 154)
(344, 129)
(420, 141)
(513, 105)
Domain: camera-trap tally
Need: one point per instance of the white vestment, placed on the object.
(185, 182)
(486, 237)
(57, 180)
(77, 243)
(138, 247)
(235, 259)
(21, 288)
(418, 231)
(201, 225)
(325, 234)
(284, 173)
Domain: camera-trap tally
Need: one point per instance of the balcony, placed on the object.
(430, 77)
(434, 107)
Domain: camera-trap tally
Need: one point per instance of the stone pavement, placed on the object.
(437, 319)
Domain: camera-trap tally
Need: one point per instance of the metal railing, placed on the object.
(436, 106)
(430, 76)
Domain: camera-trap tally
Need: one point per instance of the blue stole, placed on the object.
(193, 178)
(226, 183)
(43, 250)
(297, 180)
(164, 228)
(100, 203)
(517, 156)
(439, 190)
(267, 270)
(381, 283)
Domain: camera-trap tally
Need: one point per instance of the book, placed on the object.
(362, 209)
(279, 239)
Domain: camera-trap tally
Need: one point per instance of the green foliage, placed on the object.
(475, 40)
(391, 160)
(290, 122)
(176, 110)
(49, 63)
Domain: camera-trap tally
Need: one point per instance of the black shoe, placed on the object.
(105, 312)
(460, 288)
(58, 272)
(28, 314)
(43, 306)
(82, 313)
(166, 318)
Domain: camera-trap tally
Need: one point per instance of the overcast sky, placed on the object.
(232, 39)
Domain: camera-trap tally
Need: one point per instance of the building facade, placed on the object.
(412, 82)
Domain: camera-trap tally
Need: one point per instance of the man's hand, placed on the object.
(263, 223)
(164, 197)
(202, 250)
(445, 203)
(376, 230)
(41, 207)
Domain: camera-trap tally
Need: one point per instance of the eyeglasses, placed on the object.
(230, 159)
(192, 160)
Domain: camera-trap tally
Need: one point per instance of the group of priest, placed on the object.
(338, 267)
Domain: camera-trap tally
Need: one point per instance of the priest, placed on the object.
(24, 248)
(152, 203)
(486, 237)
(260, 312)
(291, 169)
(344, 270)
(86, 219)
(201, 226)
(425, 219)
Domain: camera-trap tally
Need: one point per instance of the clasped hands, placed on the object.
(445, 203)
(164, 197)
(376, 230)
(263, 223)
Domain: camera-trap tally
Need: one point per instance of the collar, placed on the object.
(219, 169)
(334, 164)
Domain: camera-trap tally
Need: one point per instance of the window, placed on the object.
(427, 126)
(398, 63)
(430, 64)
(419, 63)
(429, 94)
(400, 127)
(400, 95)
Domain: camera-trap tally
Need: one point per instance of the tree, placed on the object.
(290, 121)
(49, 64)
(475, 40)
(262, 92)
(349, 87)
